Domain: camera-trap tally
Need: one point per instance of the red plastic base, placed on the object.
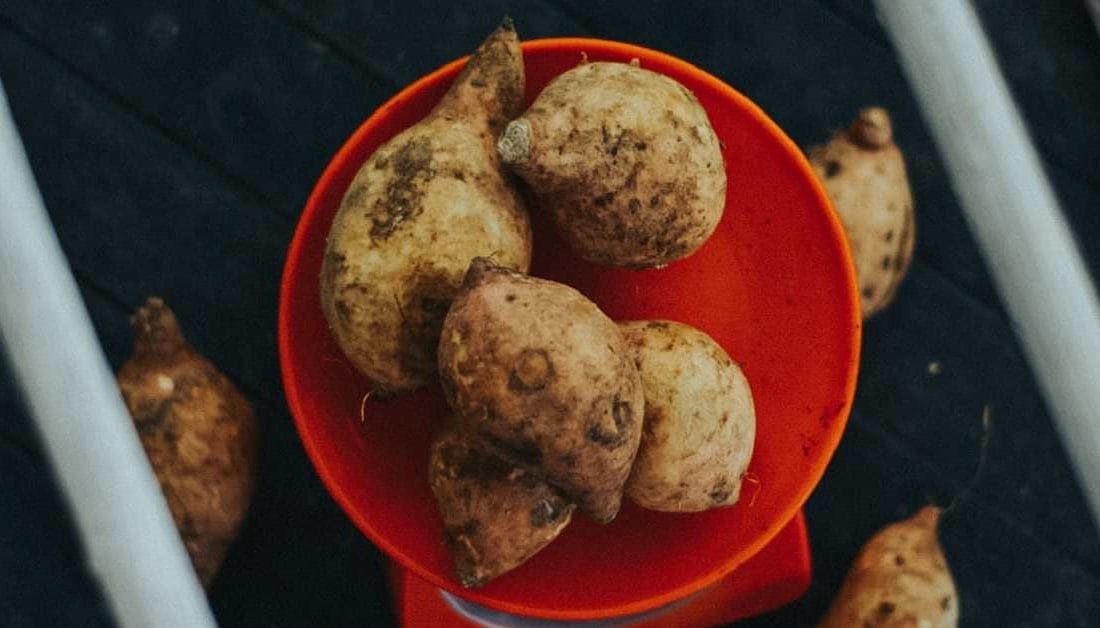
(774, 577)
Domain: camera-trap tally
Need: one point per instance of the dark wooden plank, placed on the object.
(938, 414)
(272, 575)
(38, 549)
(139, 215)
(1079, 201)
(402, 41)
(143, 217)
(231, 81)
(861, 15)
(1001, 573)
(1049, 53)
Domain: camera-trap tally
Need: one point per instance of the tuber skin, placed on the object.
(420, 208)
(539, 373)
(700, 423)
(199, 433)
(625, 161)
(864, 175)
(496, 515)
(900, 578)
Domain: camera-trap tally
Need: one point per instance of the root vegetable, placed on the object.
(496, 515)
(421, 207)
(199, 433)
(900, 578)
(543, 376)
(864, 175)
(699, 427)
(626, 162)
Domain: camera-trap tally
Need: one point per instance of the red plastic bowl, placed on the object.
(773, 286)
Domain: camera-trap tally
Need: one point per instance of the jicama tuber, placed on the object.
(863, 172)
(900, 578)
(421, 207)
(495, 514)
(199, 433)
(543, 376)
(700, 424)
(624, 160)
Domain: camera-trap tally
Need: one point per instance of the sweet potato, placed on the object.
(864, 175)
(699, 427)
(900, 578)
(199, 433)
(496, 515)
(543, 376)
(420, 208)
(626, 162)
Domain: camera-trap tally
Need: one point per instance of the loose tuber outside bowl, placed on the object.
(774, 286)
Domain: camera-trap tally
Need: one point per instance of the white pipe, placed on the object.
(1012, 211)
(132, 544)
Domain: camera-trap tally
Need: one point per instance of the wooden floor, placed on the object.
(175, 143)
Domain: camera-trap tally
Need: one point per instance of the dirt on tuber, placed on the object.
(624, 160)
(421, 207)
(495, 514)
(864, 175)
(199, 433)
(700, 424)
(538, 372)
(899, 579)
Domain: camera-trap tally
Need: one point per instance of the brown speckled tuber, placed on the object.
(496, 515)
(199, 433)
(700, 423)
(864, 175)
(542, 375)
(625, 161)
(420, 208)
(900, 578)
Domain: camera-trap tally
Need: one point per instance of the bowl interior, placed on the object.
(773, 286)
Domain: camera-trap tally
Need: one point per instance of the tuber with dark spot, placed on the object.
(900, 578)
(863, 173)
(422, 206)
(496, 514)
(543, 376)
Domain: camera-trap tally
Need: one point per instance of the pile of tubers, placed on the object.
(555, 407)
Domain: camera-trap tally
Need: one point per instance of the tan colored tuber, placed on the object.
(864, 175)
(625, 161)
(420, 208)
(900, 578)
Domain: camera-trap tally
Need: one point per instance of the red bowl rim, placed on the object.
(833, 435)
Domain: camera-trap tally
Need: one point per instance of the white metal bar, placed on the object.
(1012, 211)
(132, 544)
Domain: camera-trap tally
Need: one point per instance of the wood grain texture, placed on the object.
(233, 83)
(138, 215)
